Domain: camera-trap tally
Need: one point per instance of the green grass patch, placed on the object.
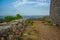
(20, 38)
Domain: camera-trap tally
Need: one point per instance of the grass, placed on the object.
(29, 22)
(30, 30)
(49, 23)
(20, 38)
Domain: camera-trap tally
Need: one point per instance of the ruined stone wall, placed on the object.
(12, 30)
(55, 11)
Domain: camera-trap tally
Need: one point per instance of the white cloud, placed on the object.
(25, 0)
(18, 3)
(42, 4)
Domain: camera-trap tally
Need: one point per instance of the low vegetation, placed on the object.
(18, 16)
(46, 21)
(20, 38)
(10, 18)
(49, 23)
(29, 22)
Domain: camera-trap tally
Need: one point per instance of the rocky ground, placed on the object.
(40, 31)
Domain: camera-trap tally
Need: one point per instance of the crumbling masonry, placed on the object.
(12, 30)
(55, 11)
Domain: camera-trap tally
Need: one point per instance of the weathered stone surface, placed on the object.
(13, 30)
(55, 11)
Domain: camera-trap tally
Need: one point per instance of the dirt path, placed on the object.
(43, 32)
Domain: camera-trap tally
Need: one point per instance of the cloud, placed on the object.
(18, 3)
(25, 0)
(42, 4)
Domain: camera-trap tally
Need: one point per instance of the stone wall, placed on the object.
(12, 30)
(55, 11)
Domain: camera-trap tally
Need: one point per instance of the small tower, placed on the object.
(55, 11)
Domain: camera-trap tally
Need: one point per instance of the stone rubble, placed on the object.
(13, 31)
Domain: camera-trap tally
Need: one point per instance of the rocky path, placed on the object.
(43, 32)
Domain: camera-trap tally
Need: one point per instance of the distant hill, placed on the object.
(35, 16)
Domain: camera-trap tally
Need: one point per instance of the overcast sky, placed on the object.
(24, 7)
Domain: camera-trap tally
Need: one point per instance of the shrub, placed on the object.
(9, 18)
(18, 16)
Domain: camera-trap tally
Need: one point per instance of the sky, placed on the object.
(24, 7)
